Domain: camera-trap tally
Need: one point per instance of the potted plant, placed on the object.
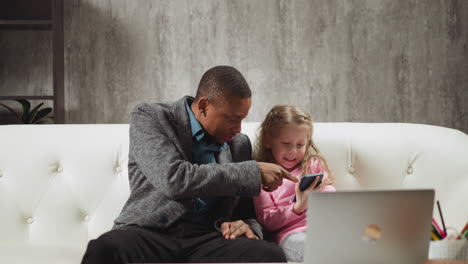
(36, 115)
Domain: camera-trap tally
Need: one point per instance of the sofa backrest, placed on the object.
(65, 184)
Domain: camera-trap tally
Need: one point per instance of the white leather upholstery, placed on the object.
(62, 185)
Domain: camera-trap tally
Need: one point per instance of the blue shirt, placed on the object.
(203, 152)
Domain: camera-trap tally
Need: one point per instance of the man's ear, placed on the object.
(203, 103)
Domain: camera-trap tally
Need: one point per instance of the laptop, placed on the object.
(369, 227)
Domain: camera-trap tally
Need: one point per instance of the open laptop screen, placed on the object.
(369, 227)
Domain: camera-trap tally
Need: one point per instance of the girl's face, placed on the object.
(288, 145)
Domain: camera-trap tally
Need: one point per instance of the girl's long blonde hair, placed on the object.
(281, 115)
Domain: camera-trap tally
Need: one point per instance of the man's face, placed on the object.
(223, 120)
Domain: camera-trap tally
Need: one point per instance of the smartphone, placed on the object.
(308, 179)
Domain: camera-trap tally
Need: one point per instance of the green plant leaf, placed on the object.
(41, 115)
(26, 107)
(33, 113)
(13, 111)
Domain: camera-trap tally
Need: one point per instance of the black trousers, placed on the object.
(185, 242)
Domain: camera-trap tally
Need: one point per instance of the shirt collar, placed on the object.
(199, 133)
(197, 130)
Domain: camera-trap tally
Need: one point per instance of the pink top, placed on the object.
(275, 209)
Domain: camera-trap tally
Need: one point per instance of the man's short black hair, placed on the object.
(221, 82)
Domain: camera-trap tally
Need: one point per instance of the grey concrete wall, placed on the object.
(357, 61)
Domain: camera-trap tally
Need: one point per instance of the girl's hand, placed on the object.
(302, 197)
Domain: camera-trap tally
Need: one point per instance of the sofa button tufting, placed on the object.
(351, 170)
(29, 220)
(59, 169)
(86, 218)
(118, 169)
(409, 170)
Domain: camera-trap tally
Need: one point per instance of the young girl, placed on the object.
(285, 138)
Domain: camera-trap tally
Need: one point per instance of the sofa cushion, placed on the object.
(39, 254)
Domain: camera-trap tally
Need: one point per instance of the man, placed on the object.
(191, 179)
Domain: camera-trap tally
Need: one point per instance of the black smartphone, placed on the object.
(308, 179)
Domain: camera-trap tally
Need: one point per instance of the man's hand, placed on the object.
(233, 230)
(273, 175)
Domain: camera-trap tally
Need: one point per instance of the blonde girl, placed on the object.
(285, 138)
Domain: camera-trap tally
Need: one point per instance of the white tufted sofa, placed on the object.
(62, 185)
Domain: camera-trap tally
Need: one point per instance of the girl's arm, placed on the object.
(272, 216)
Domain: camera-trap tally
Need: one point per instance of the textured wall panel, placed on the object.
(358, 61)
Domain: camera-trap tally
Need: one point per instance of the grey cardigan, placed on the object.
(164, 179)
